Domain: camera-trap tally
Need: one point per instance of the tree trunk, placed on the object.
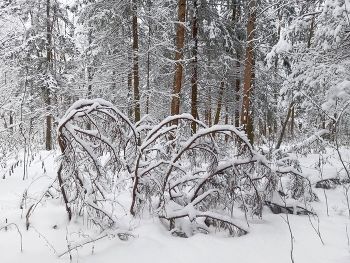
(48, 140)
(180, 38)
(11, 121)
(135, 48)
(226, 119)
(129, 98)
(275, 91)
(238, 87)
(89, 91)
(218, 109)
(280, 139)
(238, 66)
(292, 122)
(194, 79)
(148, 60)
(246, 117)
(311, 32)
(208, 112)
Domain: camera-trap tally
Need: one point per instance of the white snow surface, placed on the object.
(50, 233)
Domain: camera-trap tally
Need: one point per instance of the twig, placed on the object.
(320, 170)
(80, 245)
(28, 215)
(32, 208)
(68, 245)
(318, 232)
(19, 232)
(346, 194)
(40, 235)
(289, 227)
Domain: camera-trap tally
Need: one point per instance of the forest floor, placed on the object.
(269, 239)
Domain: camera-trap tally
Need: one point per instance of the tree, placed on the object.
(246, 113)
(135, 48)
(42, 59)
(194, 78)
(180, 38)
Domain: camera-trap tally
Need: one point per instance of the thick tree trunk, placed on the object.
(194, 79)
(180, 38)
(48, 139)
(135, 48)
(246, 117)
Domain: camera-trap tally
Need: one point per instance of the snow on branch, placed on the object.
(175, 174)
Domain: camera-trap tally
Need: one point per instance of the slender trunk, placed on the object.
(275, 92)
(218, 109)
(89, 75)
(208, 112)
(226, 119)
(89, 93)
(246, 115)
(237, 96)
(238, 66)
(11, 122)
(129, 99)
(180, 38)
(148, 61)
(280, 139)
(292, 121)
(194, 79)
(311, 32)
(323, 121)
(135, 48)
(278, 34)
(48, 141)
(234, 10)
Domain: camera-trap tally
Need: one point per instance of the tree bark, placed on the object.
(148, 60)
(180, 38)
(311, 32)
(194, 79)
(208, 113)
(135, 48)
(237, 96)
(238, 66)
(280, 139)
(218, 109)
(130, 77)
(246, 117)
(48, 139)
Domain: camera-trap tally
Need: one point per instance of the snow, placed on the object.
(268, 239)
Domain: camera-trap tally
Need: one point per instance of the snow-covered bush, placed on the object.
(192, 181)
(98, 145)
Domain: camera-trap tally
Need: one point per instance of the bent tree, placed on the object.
(194, 182)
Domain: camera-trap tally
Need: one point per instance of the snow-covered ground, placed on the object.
(269, 239)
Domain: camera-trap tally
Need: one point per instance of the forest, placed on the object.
(204, 117)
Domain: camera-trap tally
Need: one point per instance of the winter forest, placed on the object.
(186, 130)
